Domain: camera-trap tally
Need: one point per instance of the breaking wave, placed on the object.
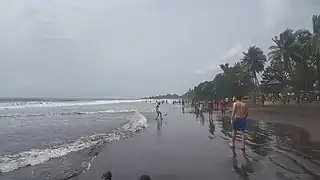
(43, 104)
(66, 113)
(11, 162)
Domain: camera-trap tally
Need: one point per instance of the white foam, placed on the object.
(43, 104)
(69, 113)
(37, 156)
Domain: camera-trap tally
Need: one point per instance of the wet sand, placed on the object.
(186, 148)
(305, 115)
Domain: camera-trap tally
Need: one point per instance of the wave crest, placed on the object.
(43, 104)
(37, 156)
(67, 113)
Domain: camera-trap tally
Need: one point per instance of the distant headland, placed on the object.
(167, 96)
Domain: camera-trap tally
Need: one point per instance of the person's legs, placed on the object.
(241, 126)
(157, 115)
(243, 140)
(234, 132)
(234, 135)
(160, 115)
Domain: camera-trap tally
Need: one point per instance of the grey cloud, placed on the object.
(122, 48)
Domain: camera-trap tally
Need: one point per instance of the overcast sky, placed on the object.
(132, 48)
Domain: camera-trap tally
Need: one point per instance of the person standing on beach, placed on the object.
(238, 120)
(210, 109)
(159, 114)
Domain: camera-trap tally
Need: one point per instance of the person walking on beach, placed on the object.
(196, 109)
(183, 106)
(201, 109)
(223, 108)
(159, 114)
(210, 109)
(238, 120)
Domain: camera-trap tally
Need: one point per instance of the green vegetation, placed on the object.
(167, 96)
(294, 65)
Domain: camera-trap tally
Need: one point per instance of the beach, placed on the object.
(305, 115)
(187, 148)
(81, 140)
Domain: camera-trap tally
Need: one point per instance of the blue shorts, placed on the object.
(239, 124)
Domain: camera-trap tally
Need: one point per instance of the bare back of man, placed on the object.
(239, 117)
(240, 109)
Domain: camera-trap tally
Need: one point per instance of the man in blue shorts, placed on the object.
(238, 120)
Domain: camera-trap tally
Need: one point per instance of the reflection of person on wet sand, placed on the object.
(202, 119)
(238, 120)
(212, 127)
(242, 169)
(159, 123)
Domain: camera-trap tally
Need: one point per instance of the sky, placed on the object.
(132, 48)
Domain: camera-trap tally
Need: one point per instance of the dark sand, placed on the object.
(305, 115)
(186, 148)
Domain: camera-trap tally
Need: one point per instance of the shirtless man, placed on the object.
(238, 120)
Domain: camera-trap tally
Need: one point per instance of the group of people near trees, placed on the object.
(209, 106)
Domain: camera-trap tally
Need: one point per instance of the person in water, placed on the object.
(159, 114)
(238, 120)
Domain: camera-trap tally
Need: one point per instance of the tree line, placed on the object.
(294, 66)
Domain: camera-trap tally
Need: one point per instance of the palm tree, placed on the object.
(302, 60)
(284, 49)
(253, 63)
(316, 44)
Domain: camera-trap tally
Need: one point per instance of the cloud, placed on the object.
(228, 57)
(199, 71)
(231, 53)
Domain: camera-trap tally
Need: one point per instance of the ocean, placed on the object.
(57, 139)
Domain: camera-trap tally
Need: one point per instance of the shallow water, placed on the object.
(285, 148)
(60, 139)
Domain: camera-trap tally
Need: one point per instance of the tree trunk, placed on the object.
(317, 56)
(256, 90)
(318, 72)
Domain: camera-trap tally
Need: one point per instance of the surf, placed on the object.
(12, 162)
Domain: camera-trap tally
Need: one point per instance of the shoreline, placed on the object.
(186, 148)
